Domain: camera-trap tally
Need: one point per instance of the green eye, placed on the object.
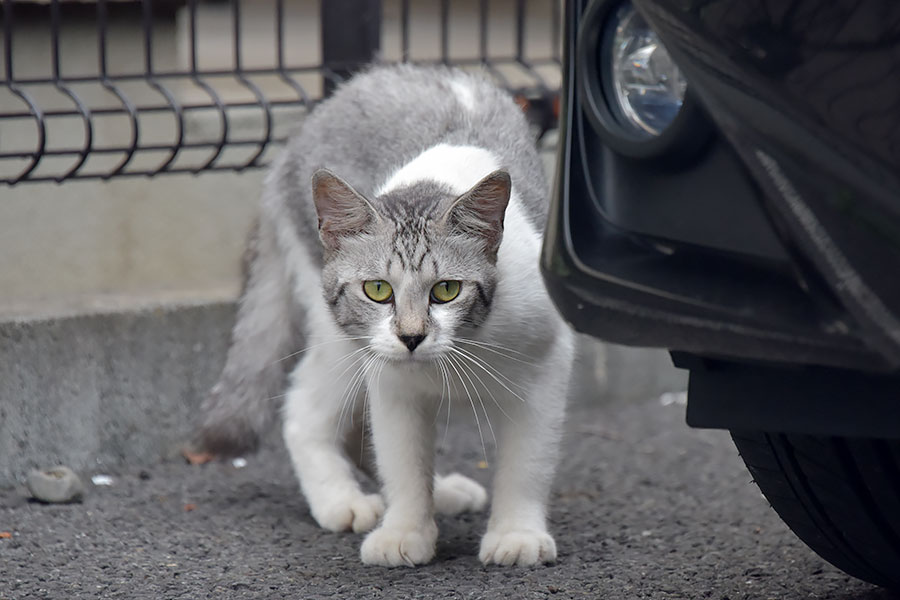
(445, 291)
(378, 290)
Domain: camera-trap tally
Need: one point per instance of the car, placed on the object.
(728, 188)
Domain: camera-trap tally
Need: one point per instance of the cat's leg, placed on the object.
(403, 432)
(317, 412)
(358, 442)
(240, 405)
(455, 493)
(528, 450)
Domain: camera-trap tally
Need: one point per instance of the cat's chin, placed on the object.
(411, 359)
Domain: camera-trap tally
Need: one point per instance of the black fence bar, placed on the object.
(226, 97)
(283, 72)
(404, 29)
(170, 74)
(254, 89)
(62, 87)
(159, 87)
(127, 104)
(351, 36)
(144, 109)
(445, 31)
(200, 83)
(34, 108)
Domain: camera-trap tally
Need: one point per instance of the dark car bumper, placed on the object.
(777, 241)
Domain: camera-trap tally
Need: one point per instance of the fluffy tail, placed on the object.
(239, 408)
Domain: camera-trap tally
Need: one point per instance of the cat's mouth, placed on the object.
(419, 356)
(412, 358)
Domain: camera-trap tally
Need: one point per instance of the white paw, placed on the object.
(399, 546)
(522, 547)
(455, 493)
(353, 510)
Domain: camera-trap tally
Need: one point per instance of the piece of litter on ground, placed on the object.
(670, 398)
(239, 463)
(189, 507)
(5, 535)
(482, 464)
(102, 480)
(197, 458)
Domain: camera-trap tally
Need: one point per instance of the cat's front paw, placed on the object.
(400, 546)
(455, 494)
(356, 511)
(521, 547)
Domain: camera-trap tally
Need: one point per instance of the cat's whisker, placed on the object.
(445, 381)
(437, 413)
(488, 390)
(486, 363)
(496, 349)
(352, 390)
(362, 436)
(361, 380)
(493, 345)
(484, 367)
(445, 392)
(307, 348)
(344, 400)
(487, 418)
(348, 396)
(347, 357)
(452, 364)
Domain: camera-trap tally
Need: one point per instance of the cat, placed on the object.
(399, 240)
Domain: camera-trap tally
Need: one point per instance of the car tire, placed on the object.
(841, 496)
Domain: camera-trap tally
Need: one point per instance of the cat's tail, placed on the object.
(240, 406)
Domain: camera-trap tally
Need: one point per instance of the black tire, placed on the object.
(841, 496)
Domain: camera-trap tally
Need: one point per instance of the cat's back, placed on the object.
(384, 117)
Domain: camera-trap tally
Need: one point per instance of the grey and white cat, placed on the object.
(407, 273)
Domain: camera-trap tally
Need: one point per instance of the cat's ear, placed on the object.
(342, 210)
(480, 211)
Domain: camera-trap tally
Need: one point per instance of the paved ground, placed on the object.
(643, 508)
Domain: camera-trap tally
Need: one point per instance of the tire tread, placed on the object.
(841, 497)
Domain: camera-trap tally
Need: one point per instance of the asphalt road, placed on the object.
(643, 508)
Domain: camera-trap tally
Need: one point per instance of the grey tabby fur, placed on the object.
(397, 250)
(369, 128)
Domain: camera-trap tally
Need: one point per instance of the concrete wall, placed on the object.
(86, 246)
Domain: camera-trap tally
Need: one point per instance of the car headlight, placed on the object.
(649, 88)
(634, 94)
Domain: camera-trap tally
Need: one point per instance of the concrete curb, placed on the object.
(100, 391)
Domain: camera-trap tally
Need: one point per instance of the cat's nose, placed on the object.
(411, 341)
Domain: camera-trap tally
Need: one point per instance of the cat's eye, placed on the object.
(378, 290)
(444, 291)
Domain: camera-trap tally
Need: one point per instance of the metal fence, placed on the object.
(110, 89)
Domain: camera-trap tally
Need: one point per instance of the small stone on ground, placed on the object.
(57, 485)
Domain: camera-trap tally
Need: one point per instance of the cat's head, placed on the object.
(412, 269)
